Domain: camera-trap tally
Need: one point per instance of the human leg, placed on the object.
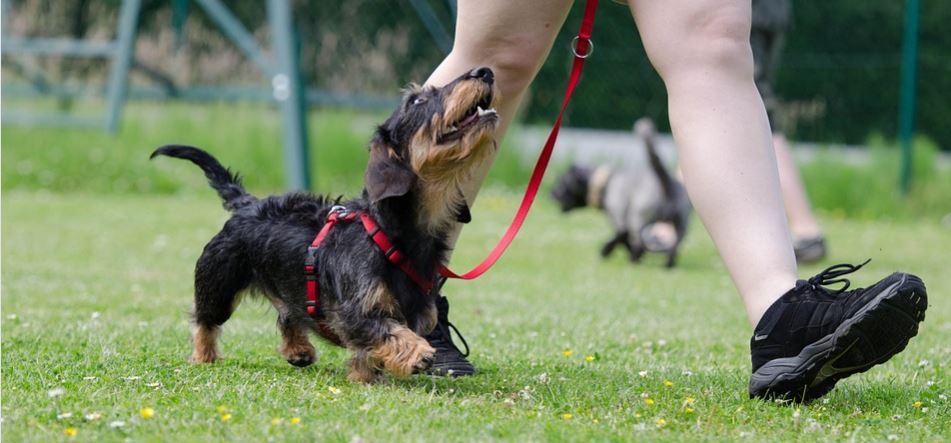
(513, 38)
(807, 236)
(805, 338)
(701, 50)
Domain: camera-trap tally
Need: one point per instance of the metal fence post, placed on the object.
(289, 93)
(121, 61)
(906, 107)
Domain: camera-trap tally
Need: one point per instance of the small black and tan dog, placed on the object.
(418, 158)
(634, 203)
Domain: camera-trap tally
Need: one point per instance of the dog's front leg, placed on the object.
(608, 247)
(379, 337)
(402, 351)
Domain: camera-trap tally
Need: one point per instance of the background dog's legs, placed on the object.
(295, 345)
(219, 276)
(672, 257)
(635, 248)
(619, 238)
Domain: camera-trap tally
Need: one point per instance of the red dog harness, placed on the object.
(395, 256)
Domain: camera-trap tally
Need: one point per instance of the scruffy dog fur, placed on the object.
(634, 203)
(418, 158)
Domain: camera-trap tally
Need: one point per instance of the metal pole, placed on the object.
(289, 93)
(906, 107)
(121, 61)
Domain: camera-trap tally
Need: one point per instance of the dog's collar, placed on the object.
(597, 184)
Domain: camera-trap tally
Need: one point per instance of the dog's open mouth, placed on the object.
(478, 113)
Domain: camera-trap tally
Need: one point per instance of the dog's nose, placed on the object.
(483, 73)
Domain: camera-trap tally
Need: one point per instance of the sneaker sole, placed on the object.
(871, 336)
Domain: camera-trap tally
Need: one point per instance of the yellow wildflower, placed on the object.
(225, 418)
(567, 352)
(668, 383)
(660, 422)
(295, 421)
(637, 415)
(567, 416)
(589, 358)
(649, 401)
(917, 404)
(689, 410)
(70, 431)
(147, 412)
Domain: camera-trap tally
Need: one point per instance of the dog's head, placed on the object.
(432, 143)
(571, 189)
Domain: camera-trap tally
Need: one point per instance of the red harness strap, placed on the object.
(395, 256)
(337, 214)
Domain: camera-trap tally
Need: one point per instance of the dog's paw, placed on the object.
(302, 359)
(204, 356)
(423, 364)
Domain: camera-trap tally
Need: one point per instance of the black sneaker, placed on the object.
(810, 250)
(812, 337)
(449, 360)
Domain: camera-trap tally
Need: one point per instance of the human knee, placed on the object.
(714, 43)
(515, 59)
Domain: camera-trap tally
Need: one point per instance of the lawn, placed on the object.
(99, 245)
(97, 288)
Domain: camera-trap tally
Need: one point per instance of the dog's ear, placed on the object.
(386, 175)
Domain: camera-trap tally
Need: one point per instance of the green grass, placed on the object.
(99, 245)
(96, 290)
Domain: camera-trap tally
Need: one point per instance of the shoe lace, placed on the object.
(830, 276)
(445, 326)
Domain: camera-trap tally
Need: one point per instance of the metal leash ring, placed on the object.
(574, 47)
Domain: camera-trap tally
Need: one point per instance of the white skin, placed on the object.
(701, 50)
(802, 221)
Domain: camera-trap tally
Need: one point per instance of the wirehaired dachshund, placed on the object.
(418, 158)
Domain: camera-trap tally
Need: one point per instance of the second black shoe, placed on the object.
(448, 360)
(812, 337)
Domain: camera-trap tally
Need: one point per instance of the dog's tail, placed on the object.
(644, 128)
(227, 184)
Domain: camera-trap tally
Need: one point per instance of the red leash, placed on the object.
(582, 49)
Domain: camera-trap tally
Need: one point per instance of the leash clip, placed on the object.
(574, 47)
(337, 211)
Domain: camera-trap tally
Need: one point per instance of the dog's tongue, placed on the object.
(469, 120)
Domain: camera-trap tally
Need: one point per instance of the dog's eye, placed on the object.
(419, 101)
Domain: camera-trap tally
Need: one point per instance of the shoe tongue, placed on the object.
(772, 315)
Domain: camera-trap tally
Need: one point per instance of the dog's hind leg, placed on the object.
(295, 345)
(219, 276)
(672, 257)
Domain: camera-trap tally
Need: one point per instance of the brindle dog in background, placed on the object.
(634, 203)
(418, 159)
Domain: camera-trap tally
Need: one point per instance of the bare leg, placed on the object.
(701, 50)
(802, 221)
(511, 37)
